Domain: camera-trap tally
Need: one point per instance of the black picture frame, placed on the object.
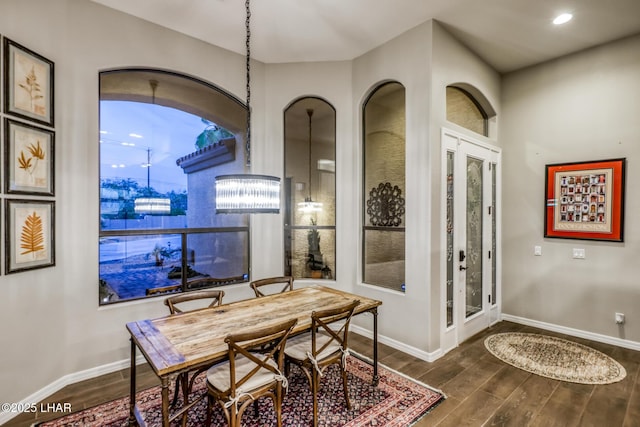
(29, 154)
(29, 234)
(28, 84)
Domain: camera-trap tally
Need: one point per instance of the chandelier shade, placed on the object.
(247, 193)
(147, 205)
(309, 206)
(152, 206)
(242, 193)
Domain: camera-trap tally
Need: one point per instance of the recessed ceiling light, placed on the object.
(562, 18)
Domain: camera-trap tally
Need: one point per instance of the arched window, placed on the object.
(464, 110)
(310, 189)
(163, 139)
(384, 187)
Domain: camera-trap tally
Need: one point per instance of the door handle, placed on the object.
(462, 268)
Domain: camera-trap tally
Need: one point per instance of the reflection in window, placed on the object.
(463, 110)
(161, 145)
(384, 187)
(310, 189)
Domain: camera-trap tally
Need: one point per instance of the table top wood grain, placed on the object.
(184, 341)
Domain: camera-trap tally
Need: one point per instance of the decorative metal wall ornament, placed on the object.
(385, 206)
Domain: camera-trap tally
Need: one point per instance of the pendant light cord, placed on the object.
(310, 113)
(248, 43)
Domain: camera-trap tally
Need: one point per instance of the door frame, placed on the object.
(451, 336)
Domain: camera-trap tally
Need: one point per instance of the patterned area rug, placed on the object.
(397, 402)
(555, 358)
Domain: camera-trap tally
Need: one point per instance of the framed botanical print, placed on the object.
(585, 200)
(29, 159)
(28, 84)
(29, 240)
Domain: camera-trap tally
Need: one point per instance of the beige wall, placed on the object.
(581, 107)
(405, 59)
(52, 325)
(54, 311)
(453, 63)
(285, 83)
(578, 108)
(56, 327)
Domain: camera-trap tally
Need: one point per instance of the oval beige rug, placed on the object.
(555, 358)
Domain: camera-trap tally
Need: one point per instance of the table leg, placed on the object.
(376, 378)
(165, 400)
(185, 394)
(132, 382)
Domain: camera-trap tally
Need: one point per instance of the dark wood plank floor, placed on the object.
(480, 389)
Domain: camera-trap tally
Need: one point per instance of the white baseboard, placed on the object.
(66, 380)
(620, 342)
(430, 357)
(415, 352)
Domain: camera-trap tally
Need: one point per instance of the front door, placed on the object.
(472, 234)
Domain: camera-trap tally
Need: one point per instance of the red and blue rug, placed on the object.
(397, 401)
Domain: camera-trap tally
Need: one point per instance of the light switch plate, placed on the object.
(537, 250)
(578, 253)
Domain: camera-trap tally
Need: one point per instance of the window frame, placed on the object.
(288, 228)
(365, 191)
(222, 100)
(475, 103)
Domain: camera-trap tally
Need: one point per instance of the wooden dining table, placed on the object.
(187, 341)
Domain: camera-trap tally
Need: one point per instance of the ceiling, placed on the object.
(507, 34)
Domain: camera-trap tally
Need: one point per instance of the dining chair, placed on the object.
(272, 285)
(177, 304)
(215, 297)
(253, 369)
(326, 344)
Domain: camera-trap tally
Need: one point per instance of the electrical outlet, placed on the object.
(579, 253)
(619, 318)
(537, 250)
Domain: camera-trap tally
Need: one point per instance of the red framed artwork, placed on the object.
(585, 200)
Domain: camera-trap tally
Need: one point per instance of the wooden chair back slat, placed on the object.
(214, 295)
(260, 286)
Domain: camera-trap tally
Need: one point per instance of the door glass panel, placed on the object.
(450, 260)
(473, 285)
(493, 236)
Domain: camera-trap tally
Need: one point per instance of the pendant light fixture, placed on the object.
(247, 193)
(148, 205)
(309, 206)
